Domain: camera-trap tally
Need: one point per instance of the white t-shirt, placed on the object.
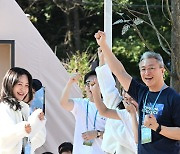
(80, 113)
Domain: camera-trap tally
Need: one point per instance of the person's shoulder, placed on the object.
(5, 108)
(80, 102)
(172, 92)
(4, 104)
(172, 95)
(138, 83)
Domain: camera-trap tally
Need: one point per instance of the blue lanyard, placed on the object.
(94, 125)
(145, 101)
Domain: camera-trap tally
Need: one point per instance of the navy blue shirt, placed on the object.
(167, 114)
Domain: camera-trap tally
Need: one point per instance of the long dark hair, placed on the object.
(10, 79)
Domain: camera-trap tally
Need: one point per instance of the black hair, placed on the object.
(92, 72)
(10, 79)
(152, 54)
(36, 84)
(65, 147)
(121, 106)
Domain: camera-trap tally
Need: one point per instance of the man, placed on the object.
(159, 105)
(89, 125)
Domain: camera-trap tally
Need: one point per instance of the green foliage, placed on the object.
(92, 5)
(131, 48)
(79, 62)
(51, 22)
(123, 50)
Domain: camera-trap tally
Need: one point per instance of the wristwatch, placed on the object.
(158, 129)
(98, 133)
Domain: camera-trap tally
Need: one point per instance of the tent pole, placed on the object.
(108, 21)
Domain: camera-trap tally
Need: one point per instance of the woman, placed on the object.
(119, 127)
(15, 124)
(122, 115)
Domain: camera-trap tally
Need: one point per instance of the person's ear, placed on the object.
(163, 70)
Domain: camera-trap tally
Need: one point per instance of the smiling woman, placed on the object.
(17, 83)
(16, 124)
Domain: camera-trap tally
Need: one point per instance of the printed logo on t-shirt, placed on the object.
(157, 111)
(103, 118)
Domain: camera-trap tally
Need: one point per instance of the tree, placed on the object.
(175, 44)
(80, 63)
(70, 8)
(69, 25)
(171, 51)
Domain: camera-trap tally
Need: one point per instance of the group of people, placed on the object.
(144, 119)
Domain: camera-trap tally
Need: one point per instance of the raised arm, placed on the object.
(103, 110)
(107, 84)
(65, 102)
(115, 65)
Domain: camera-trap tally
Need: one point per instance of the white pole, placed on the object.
(108, 21)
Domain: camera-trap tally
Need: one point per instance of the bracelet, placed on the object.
(98, 133)
(158, 129)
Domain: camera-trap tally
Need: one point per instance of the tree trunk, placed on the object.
(76, 29)
(68, 37)
(175, 43)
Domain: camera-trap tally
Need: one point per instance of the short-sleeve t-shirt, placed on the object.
(80, 113)
(167, 113)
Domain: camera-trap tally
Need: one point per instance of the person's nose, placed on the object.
(147, 71)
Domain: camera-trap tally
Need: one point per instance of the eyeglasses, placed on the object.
(150, 69)
(87, 83)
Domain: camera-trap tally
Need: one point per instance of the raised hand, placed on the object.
(100, 38)
(41, 116)
(130, 107)
(74, 78)
(94, 87)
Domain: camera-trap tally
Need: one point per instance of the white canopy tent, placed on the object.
(33, 54)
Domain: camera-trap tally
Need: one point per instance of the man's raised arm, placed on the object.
(65, 102)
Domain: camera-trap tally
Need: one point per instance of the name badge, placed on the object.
(88, 143)
(27, 149)
(145, 135)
